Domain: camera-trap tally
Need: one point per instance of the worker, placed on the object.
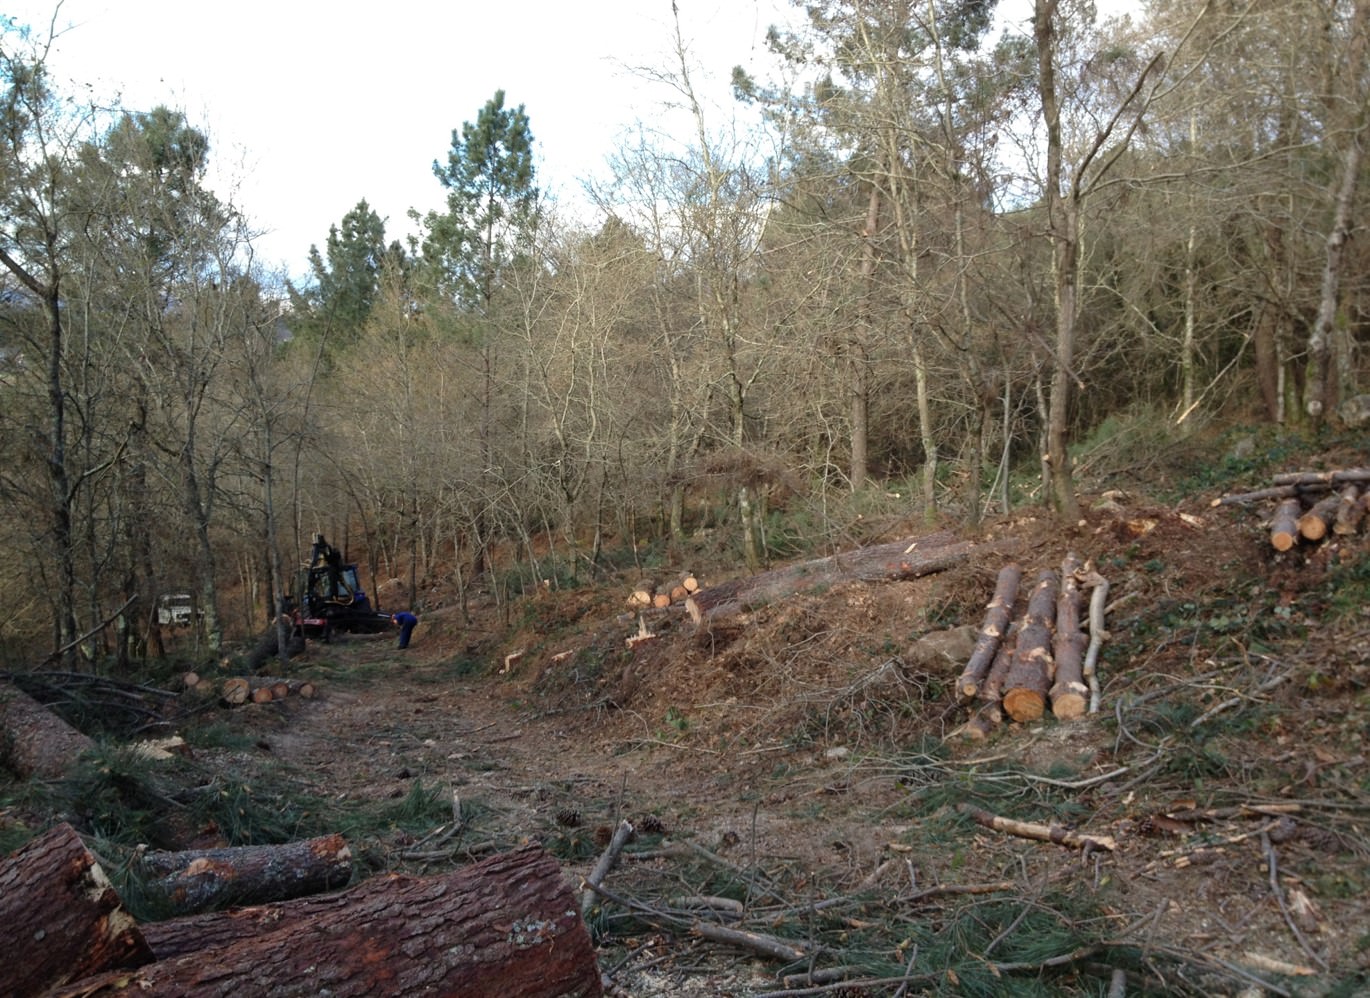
(405, 621)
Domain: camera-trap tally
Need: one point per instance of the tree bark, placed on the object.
(997, 617)
(1314, 524)
(508, 925)
(204, 879)
(1351, 511)
(60, 918)
(1069, 694)
(1284, 526)
(1029, 674)
(238, 690)
(35, 742)
(882, 562)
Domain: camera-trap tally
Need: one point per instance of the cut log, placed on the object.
(1240, 498)
(1350, 511)
(690, 584)
(205, 879)
(35, 742)
(508, 925)
(993, 687)
(73, 923)
(1314, 524)
(982, 723)
(909, 559)
(679, 594)
(1029, 673)
(661, 600)
(642, 594)
(1069, 694)
(1327, 478)
(1284, 525)
(997, 617)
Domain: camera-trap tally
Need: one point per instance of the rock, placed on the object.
(938, 649)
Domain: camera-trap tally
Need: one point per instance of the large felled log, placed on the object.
(993, 687)
(1314, 524)
(203, 879)
(1284, 525)
(997, 617)
(60, 919)
(1069, 694)
(1030, 671)
(508, 925)
(908, 559)
(33, 740)
(1238, 498)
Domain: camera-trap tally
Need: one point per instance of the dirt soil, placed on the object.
(804, 758)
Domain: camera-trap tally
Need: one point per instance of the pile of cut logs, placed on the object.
(1311, 504)
(238, 690)
(648, 593)
(1033, 652)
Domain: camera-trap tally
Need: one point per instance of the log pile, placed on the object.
(1033, 650)
(509, 924)
(649, 593)
(1311, 506)
(238, 690)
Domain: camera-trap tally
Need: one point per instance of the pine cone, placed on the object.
(568, 817)
(651, 825)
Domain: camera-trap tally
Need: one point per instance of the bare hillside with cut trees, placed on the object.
(909, 535)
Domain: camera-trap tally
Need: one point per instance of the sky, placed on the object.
(312, 105)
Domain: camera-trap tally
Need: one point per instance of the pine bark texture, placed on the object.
(203, 879)
(35, 742)
(506, 926)
(60, 918)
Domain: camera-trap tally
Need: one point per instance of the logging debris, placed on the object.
(1311, 506)
(1035, 651)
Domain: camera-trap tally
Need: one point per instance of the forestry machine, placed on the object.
(329, 597)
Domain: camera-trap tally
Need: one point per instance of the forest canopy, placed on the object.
(942, 262)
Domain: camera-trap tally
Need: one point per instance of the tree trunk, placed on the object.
(506, 926)
(881, 562)
(204, 879)
(1350, 511)
(997, 617)
(1284, 526)
(1029, 674)
(60, 919)
(34, 741)
(1314, 524)
(1069, 694)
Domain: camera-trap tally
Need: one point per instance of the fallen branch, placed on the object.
(607, 861)
(771, 946)
(1042, 833)
(1098, 634)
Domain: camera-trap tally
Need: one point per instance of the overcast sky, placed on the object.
(312, 105)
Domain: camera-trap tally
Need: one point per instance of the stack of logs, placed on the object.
(1312, 505)
(649, 594)
(238, 690)
(1033, 652)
